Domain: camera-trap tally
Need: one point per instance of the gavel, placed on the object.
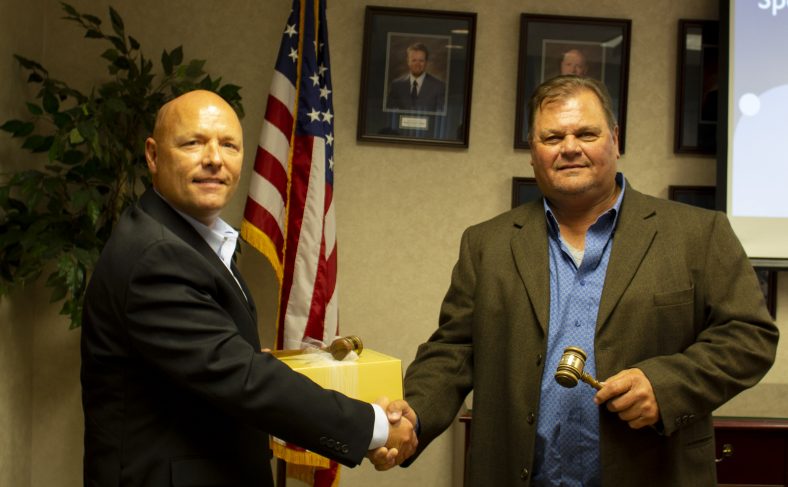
(340, 347)
(570, 369)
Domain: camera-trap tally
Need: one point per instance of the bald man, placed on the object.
(175, 388)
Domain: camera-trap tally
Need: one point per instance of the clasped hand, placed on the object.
(402, 440)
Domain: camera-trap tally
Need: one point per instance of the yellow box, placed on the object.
(372, 376)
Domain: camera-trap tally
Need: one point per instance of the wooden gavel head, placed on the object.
(340, 347)
(570, 369)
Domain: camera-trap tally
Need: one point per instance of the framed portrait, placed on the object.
(702, 196)
(552, 45)
(767, 278)
(524, 190)
(416, 76)
(697, 87)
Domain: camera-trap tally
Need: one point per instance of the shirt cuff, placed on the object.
(380, 433)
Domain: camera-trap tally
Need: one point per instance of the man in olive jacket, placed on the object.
(678, 328)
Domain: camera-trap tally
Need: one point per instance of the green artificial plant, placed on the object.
(56, 219)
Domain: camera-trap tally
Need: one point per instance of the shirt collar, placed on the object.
(221, 237)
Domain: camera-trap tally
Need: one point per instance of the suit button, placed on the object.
(330, 443)
(323, 440)
(539, 360)
(531, 418)
(524, 474)
(345, 449)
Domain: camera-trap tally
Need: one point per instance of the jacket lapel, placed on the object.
(162, 212)
(634, 234)
(529, 249)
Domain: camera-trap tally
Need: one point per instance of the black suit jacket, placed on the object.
(431, 97)
(175, 389)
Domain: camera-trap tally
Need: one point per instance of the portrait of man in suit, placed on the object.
(579, 58)
(417, 90)
(573, 61)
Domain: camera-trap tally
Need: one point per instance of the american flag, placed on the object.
(289, 214)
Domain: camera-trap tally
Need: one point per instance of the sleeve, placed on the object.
(175, 321)
(440, 377)
(735, 347)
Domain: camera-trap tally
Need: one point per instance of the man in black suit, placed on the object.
(417, 90)
(176, 390)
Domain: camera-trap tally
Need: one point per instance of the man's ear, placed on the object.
(151, 155)
(615, 139)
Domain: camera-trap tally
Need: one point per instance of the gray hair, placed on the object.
(564, 87)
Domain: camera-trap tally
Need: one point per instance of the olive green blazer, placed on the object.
(680, 301)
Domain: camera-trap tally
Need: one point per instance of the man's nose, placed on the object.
(570, 146)
(212, 155)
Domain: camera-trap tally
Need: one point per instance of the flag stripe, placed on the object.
(261, 216)
(275, 136)
(269, 169)
(283, 89)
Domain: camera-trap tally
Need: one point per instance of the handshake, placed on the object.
(402, 440)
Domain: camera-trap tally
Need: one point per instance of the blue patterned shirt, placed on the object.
(567, 431)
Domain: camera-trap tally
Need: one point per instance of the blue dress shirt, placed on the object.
(567, 432)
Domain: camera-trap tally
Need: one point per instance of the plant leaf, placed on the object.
(29, 63)
(34, 78)
(194, 68)
(69, 9)
(74, 137)
(34, 109)
(38, 143)
(110, 54)
(230, 92)
(117, 22)
(177, 56)
(72, 157)
(93, 20)
(166, 62)
(18, 128)
(50, 102)
(118, 42)
(61, 120)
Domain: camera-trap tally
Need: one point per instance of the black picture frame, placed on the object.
(544, 39)
(767, 278)
(524, 190)
(386, 112)
(697, 87)
(702, 196)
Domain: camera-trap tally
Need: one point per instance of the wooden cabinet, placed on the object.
(749, 451)
(757, 451)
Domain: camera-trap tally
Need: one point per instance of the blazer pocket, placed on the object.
(202, 472)
(675, 298)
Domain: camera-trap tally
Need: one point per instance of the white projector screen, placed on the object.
(753, 154)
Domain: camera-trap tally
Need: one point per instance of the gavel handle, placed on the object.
(591, 381)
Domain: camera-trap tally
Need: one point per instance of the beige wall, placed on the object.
(400, 210)
(24, 35)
